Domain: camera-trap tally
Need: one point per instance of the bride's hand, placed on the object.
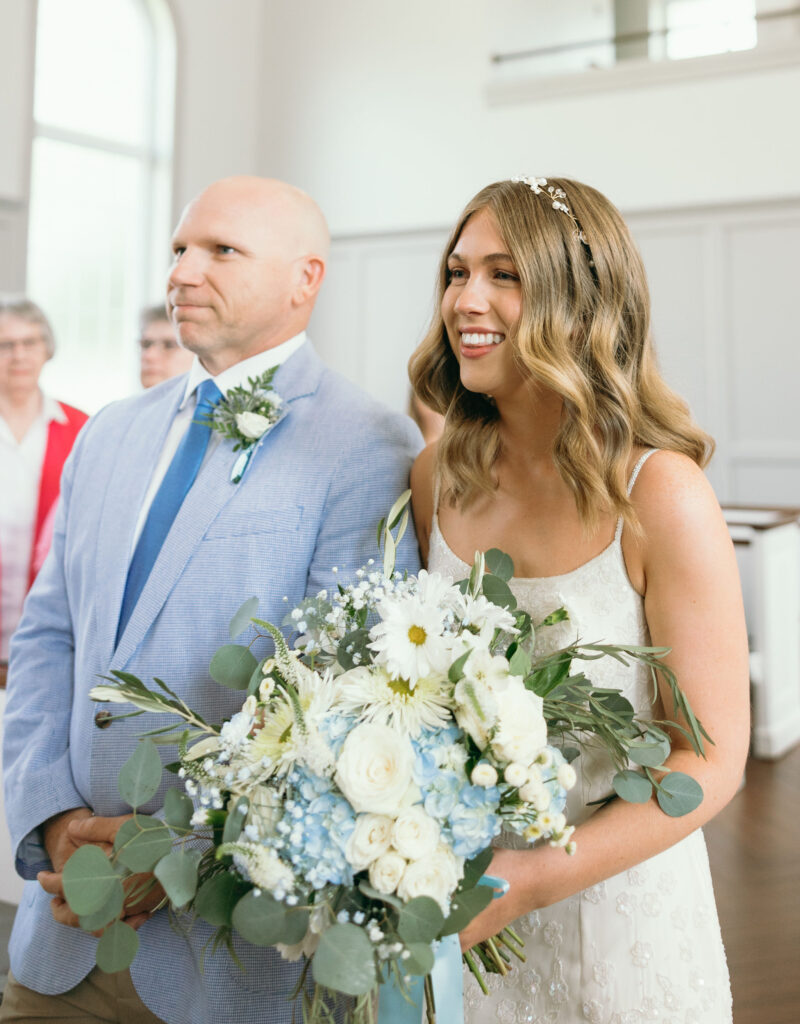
(517, 868)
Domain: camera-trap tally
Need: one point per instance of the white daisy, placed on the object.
(409, 640)
(375, 696)
(480, 616)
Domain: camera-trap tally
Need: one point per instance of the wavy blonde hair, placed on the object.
(583, 332)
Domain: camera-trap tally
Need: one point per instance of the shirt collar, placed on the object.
(239, 374)
(51, 410)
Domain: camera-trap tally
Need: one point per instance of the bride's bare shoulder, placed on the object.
(422, 489)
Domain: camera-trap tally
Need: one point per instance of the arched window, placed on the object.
(101, 182)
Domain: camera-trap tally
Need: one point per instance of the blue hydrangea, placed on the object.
(314, 830)
(474, 821)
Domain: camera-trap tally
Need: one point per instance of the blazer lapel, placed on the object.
(298, 378)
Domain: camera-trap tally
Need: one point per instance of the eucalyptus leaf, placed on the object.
(177, 873)
(498, 592)
(140, 776)
(109, 911)
(374, 894)
(232, 666)
(241, 620)
(217, 897)
(421, 959)
(649, 754)
(89, 879)
(178, 810)
(546, 678)
(260, 919)
(234, 823)
(679, 794)
(632, 787)
(499, 564)
(464, 907)
(420, 920)
(345, 961)
(117, 948)
(476, 867)
(141, 842)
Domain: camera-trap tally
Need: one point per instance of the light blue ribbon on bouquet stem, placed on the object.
(398, 1007)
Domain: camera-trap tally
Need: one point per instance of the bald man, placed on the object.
(248, 259)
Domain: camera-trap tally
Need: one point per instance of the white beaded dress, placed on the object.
(645, 945)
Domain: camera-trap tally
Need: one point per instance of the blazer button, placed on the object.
(103, 719)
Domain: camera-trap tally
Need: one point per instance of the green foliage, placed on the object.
(353, 649)
(243, 617)
(109, 911)
(420, 920)
(233, 666)
(217, 897)
(464, 907)
(89, 880)
(476, 868)
(178, 810)
(632, 787)
(239, 399)
(549, 673)
(261, 919)
(678, 794)
(234, 823)
(117, 948)
(345, 961)
(499, 564)
(421, 959)
(498, 592)
(382, 897)
(141, 842)
(177, 873)
(140, 776)
(456, 671)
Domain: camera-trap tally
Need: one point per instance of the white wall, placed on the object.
(381, 112)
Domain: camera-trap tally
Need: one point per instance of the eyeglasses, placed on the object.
(145, 344)
(24, 344)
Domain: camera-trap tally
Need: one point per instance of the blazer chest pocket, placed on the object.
(242, 521)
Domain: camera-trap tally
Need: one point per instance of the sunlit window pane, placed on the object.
(93, 68)
(699, 27)
(85, 258)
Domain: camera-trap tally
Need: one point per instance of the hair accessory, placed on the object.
(558, 197)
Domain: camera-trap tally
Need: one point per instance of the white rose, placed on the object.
(436, 876)
(566, 776)
(522, 731)
(475, 710)
(371, 838)
(515, 774)
(415, 834)
(374, 768)
(385, 872)
(252, 424)
(483, 774)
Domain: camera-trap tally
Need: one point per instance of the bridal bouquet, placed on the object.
(348, 809)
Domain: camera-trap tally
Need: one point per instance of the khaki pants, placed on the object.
(99, 997)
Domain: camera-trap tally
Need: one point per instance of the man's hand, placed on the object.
(63, 835)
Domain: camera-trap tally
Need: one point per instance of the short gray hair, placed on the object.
(25, 309)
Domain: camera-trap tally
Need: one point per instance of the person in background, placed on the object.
(162, 355)
(36, 435)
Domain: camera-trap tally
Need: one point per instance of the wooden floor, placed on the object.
(754, 847)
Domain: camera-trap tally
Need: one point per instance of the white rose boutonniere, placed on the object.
(245, 416)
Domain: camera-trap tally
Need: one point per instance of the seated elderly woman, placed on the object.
(36, 435)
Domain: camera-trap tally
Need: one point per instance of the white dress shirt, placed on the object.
(20, 474)
(235, 376)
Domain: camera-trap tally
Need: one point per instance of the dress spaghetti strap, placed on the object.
(636, 470)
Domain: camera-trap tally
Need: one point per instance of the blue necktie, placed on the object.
(174, 487)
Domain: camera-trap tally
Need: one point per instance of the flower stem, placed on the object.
(430, 1002)
(470, 962)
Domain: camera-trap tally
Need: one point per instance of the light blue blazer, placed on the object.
(310, 500)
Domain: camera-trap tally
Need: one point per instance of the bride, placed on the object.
(564, 448)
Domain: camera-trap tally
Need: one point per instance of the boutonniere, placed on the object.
(245, 415)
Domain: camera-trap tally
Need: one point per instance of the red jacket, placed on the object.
(60, 438)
